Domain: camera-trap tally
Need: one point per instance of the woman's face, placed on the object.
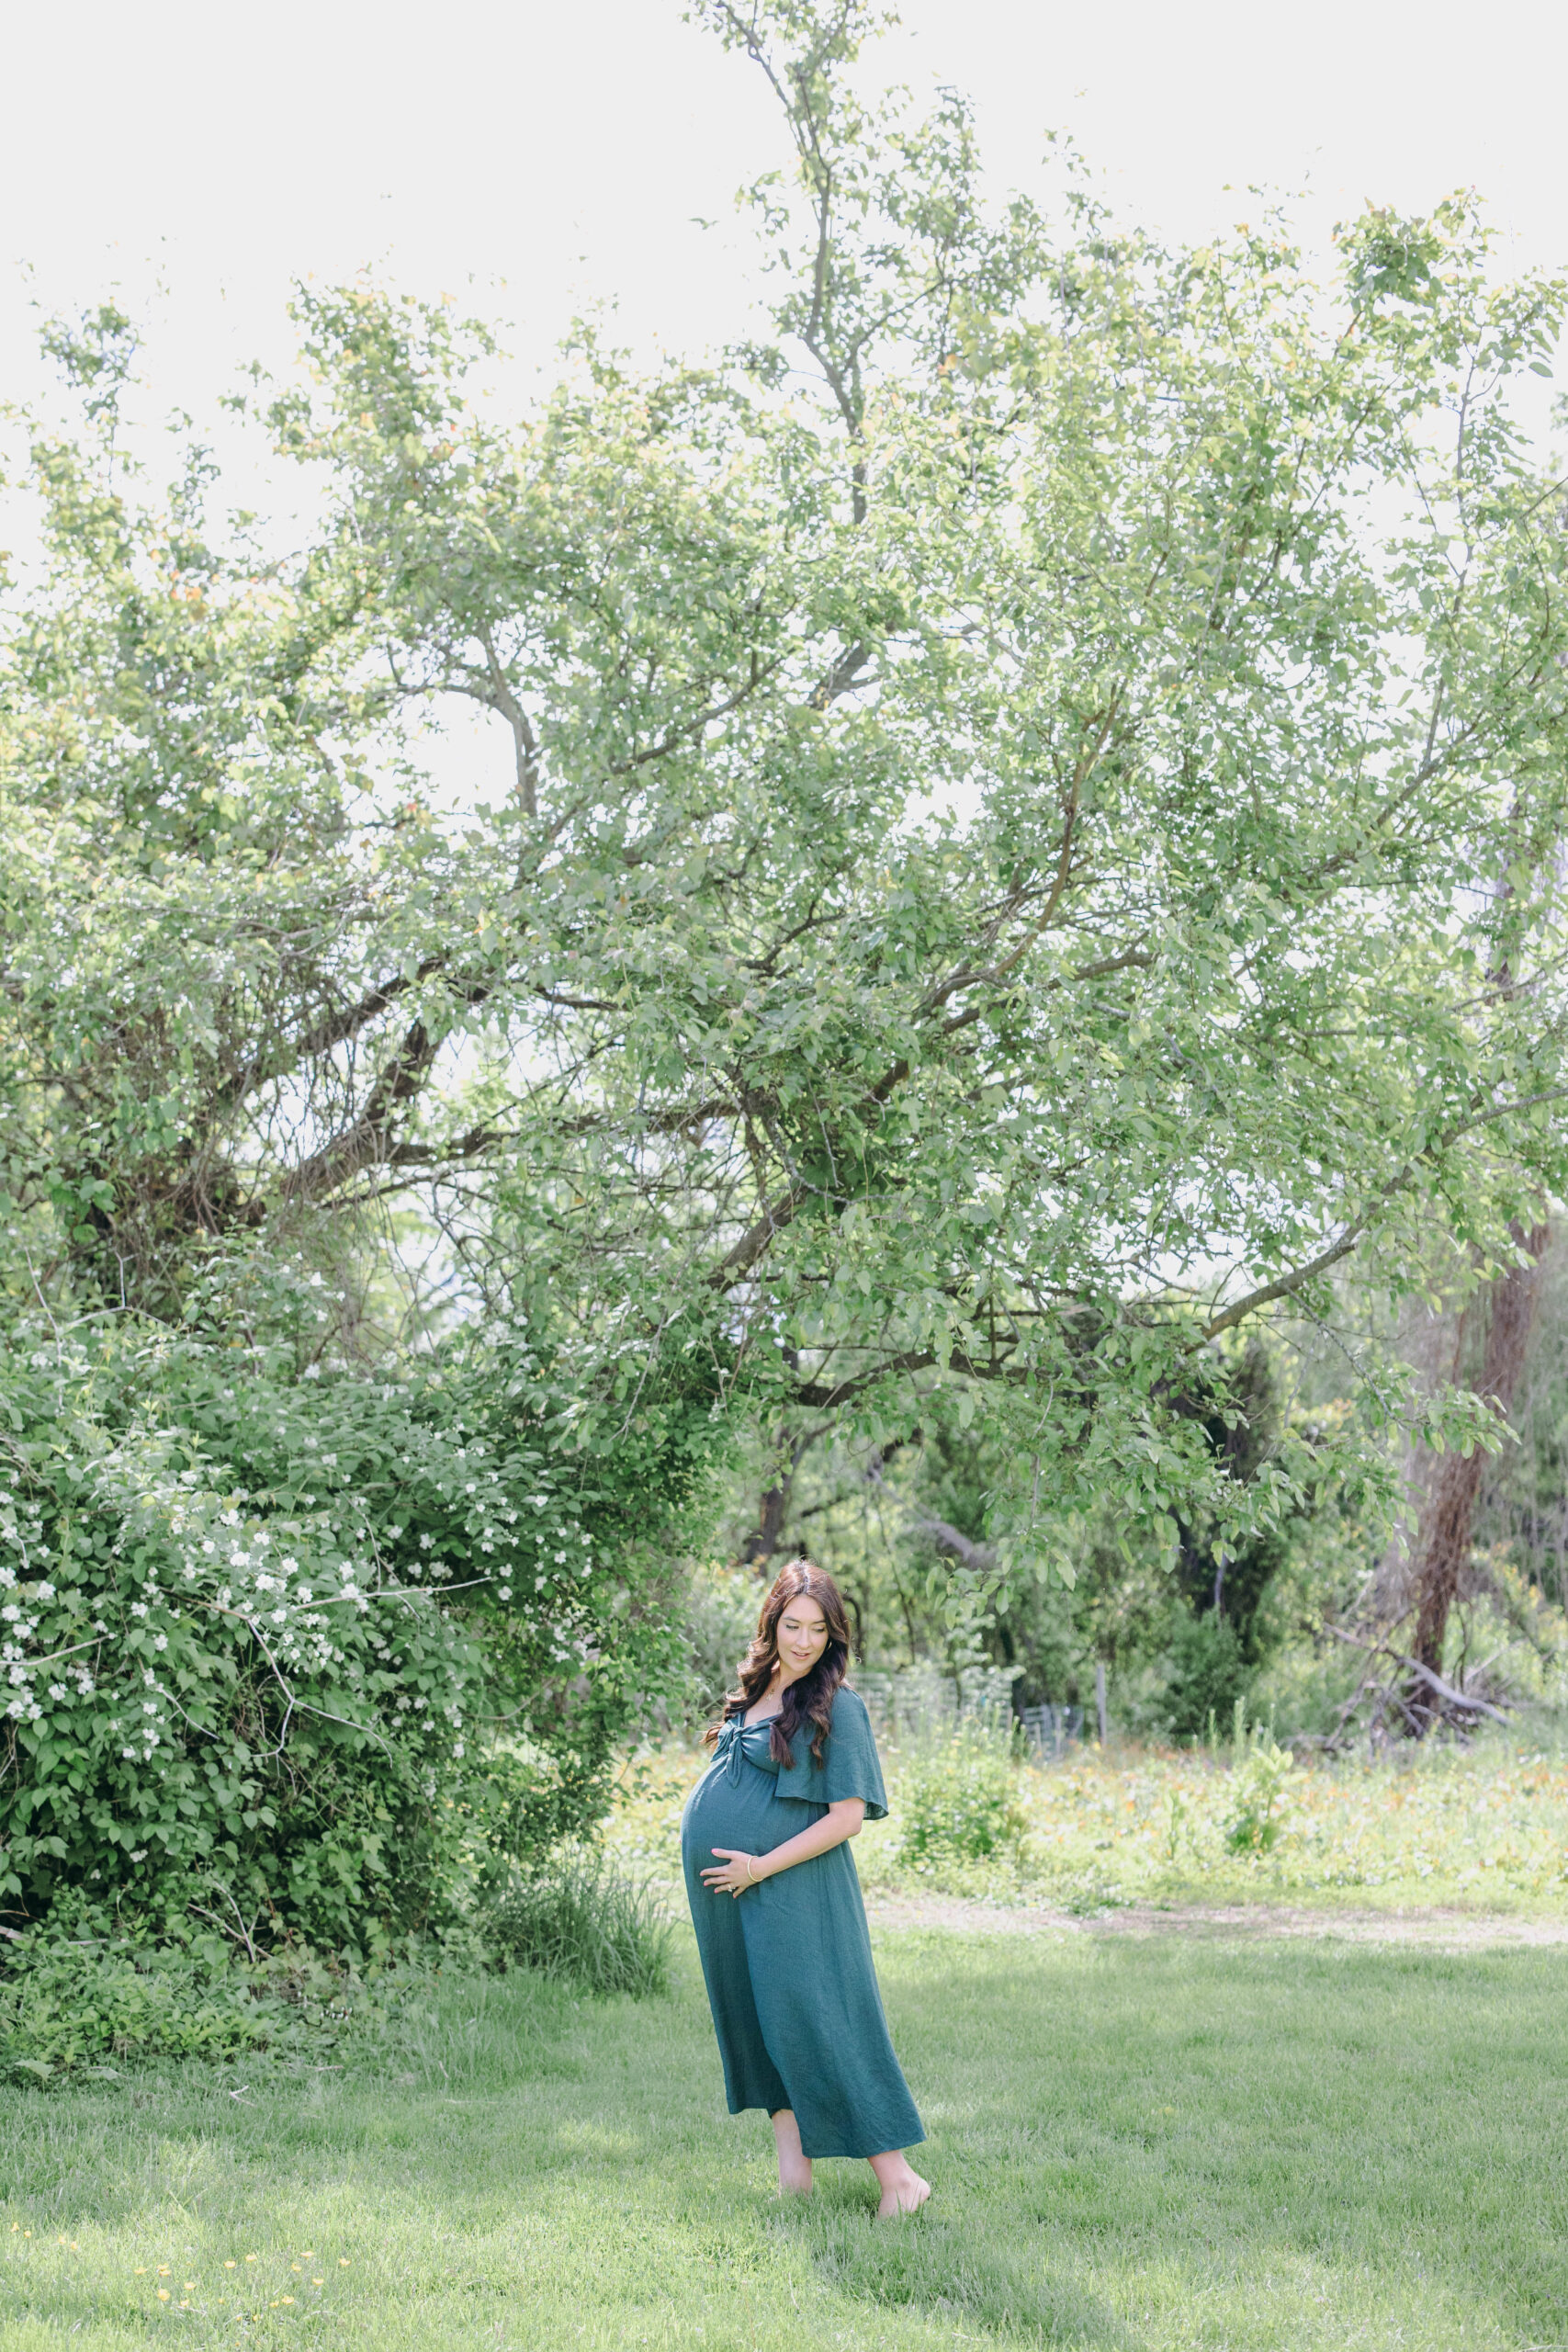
(802, 1638)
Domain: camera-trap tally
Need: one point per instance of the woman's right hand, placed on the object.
(736, 1871)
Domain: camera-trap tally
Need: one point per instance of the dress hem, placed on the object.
(812, 2154)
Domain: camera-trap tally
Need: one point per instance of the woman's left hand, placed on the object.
(735, 1874)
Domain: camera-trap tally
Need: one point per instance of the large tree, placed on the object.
(992, 874)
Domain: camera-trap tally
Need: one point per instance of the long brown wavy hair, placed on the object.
(810, 1699)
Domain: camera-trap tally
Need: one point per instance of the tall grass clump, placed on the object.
(581, 1917)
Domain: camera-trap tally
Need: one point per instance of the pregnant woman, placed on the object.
(776, 1903)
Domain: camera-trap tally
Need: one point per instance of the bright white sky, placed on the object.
(567, 149)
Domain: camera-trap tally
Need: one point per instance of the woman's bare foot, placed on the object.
(795, 2166)
(903, 2191)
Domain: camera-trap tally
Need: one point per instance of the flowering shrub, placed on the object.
(261, 1623)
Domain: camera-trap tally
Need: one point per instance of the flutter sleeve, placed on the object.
(849, 1766)
(852, 1767)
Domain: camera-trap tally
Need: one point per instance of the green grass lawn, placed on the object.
(1136, 2143)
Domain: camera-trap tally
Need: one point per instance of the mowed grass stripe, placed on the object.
(1142, 2143)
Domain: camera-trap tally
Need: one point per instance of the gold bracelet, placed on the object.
(750, 1873)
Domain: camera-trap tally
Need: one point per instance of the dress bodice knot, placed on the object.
(732, 1754)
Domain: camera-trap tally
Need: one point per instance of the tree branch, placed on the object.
(1424, 1673)
(336, 1029)
(1283, 1288)
(516, 717)
(367, 1141)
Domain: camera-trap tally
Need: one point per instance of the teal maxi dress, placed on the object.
(787, 1963)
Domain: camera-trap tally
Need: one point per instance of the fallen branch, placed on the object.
(1445, 1691)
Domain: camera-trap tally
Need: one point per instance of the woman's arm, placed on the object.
(737, 1871)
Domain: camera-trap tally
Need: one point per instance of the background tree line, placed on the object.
(1294, 1622)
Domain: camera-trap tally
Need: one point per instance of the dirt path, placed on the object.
(1437, 1931)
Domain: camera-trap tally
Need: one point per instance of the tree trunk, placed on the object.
(1454, 1487)
(763, 1540)
(760, 1546)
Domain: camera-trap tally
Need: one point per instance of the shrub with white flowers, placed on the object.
(301, 1654)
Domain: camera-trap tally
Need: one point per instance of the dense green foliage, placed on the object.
(265, 1625)
(1023, 841)
(74, 2005)
(72, 2002)
(957, 1802)
(1183, 1630)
